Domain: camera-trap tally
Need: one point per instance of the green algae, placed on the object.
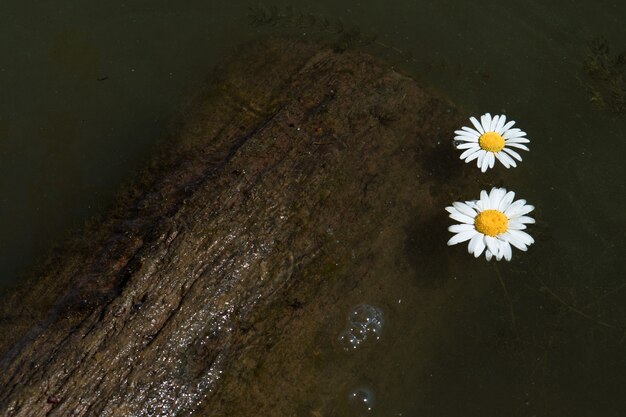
(605, 73)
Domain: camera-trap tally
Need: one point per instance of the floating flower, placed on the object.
(492, 224)
(493, 138)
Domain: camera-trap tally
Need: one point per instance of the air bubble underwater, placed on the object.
(361, 399)
(365, 322)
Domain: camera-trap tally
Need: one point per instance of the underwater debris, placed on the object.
(345, 36)
(606, 76)
(342, 36)
(288, 17)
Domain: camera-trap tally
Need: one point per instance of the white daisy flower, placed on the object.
(492, 139)
(492, 224)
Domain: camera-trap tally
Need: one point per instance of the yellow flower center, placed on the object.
(491, 222)
(491, 142)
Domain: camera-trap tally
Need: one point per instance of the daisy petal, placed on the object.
(513, 133)
(467, 145)
(474, 155)
(514, 241)
(506, 201)
(472, 204)
(500, 124)
(461, 237)
(459, 217)
(488, 255)
(521, 211)
(472, 131)
(464, 209)
(481, 158)
(500, 250)
(494, 123)
(518, 145)
(477, 125)
(514, 207)
(506, 127)
(512, 153)
(466, 139)
(495, 196)
(469, 152)
(458, 228)
(472, 243)
(471, 134)
(484, 198)
(523, 237)
(492, 244)
(505, 157)
(477, 245)
(518, 140)
(485, 162)
(502, 161)
(525, 219)
(515, 225)
(506, 249)
(485, 121)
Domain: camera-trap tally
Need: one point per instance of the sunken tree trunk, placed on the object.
(295, 175)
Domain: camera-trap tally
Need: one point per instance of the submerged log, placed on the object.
(295, 175)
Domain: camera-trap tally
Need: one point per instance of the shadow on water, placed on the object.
(422, 250)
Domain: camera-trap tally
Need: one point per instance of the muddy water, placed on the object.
(88, 91)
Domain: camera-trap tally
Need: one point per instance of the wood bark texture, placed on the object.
(293, 176)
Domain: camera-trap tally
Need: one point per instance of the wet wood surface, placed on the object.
(291, 175)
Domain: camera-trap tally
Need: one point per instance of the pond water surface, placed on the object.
(89, 89)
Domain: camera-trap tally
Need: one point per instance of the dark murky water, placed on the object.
(88, 90)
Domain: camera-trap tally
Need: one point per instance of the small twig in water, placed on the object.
(506, 294)
(581, 313)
